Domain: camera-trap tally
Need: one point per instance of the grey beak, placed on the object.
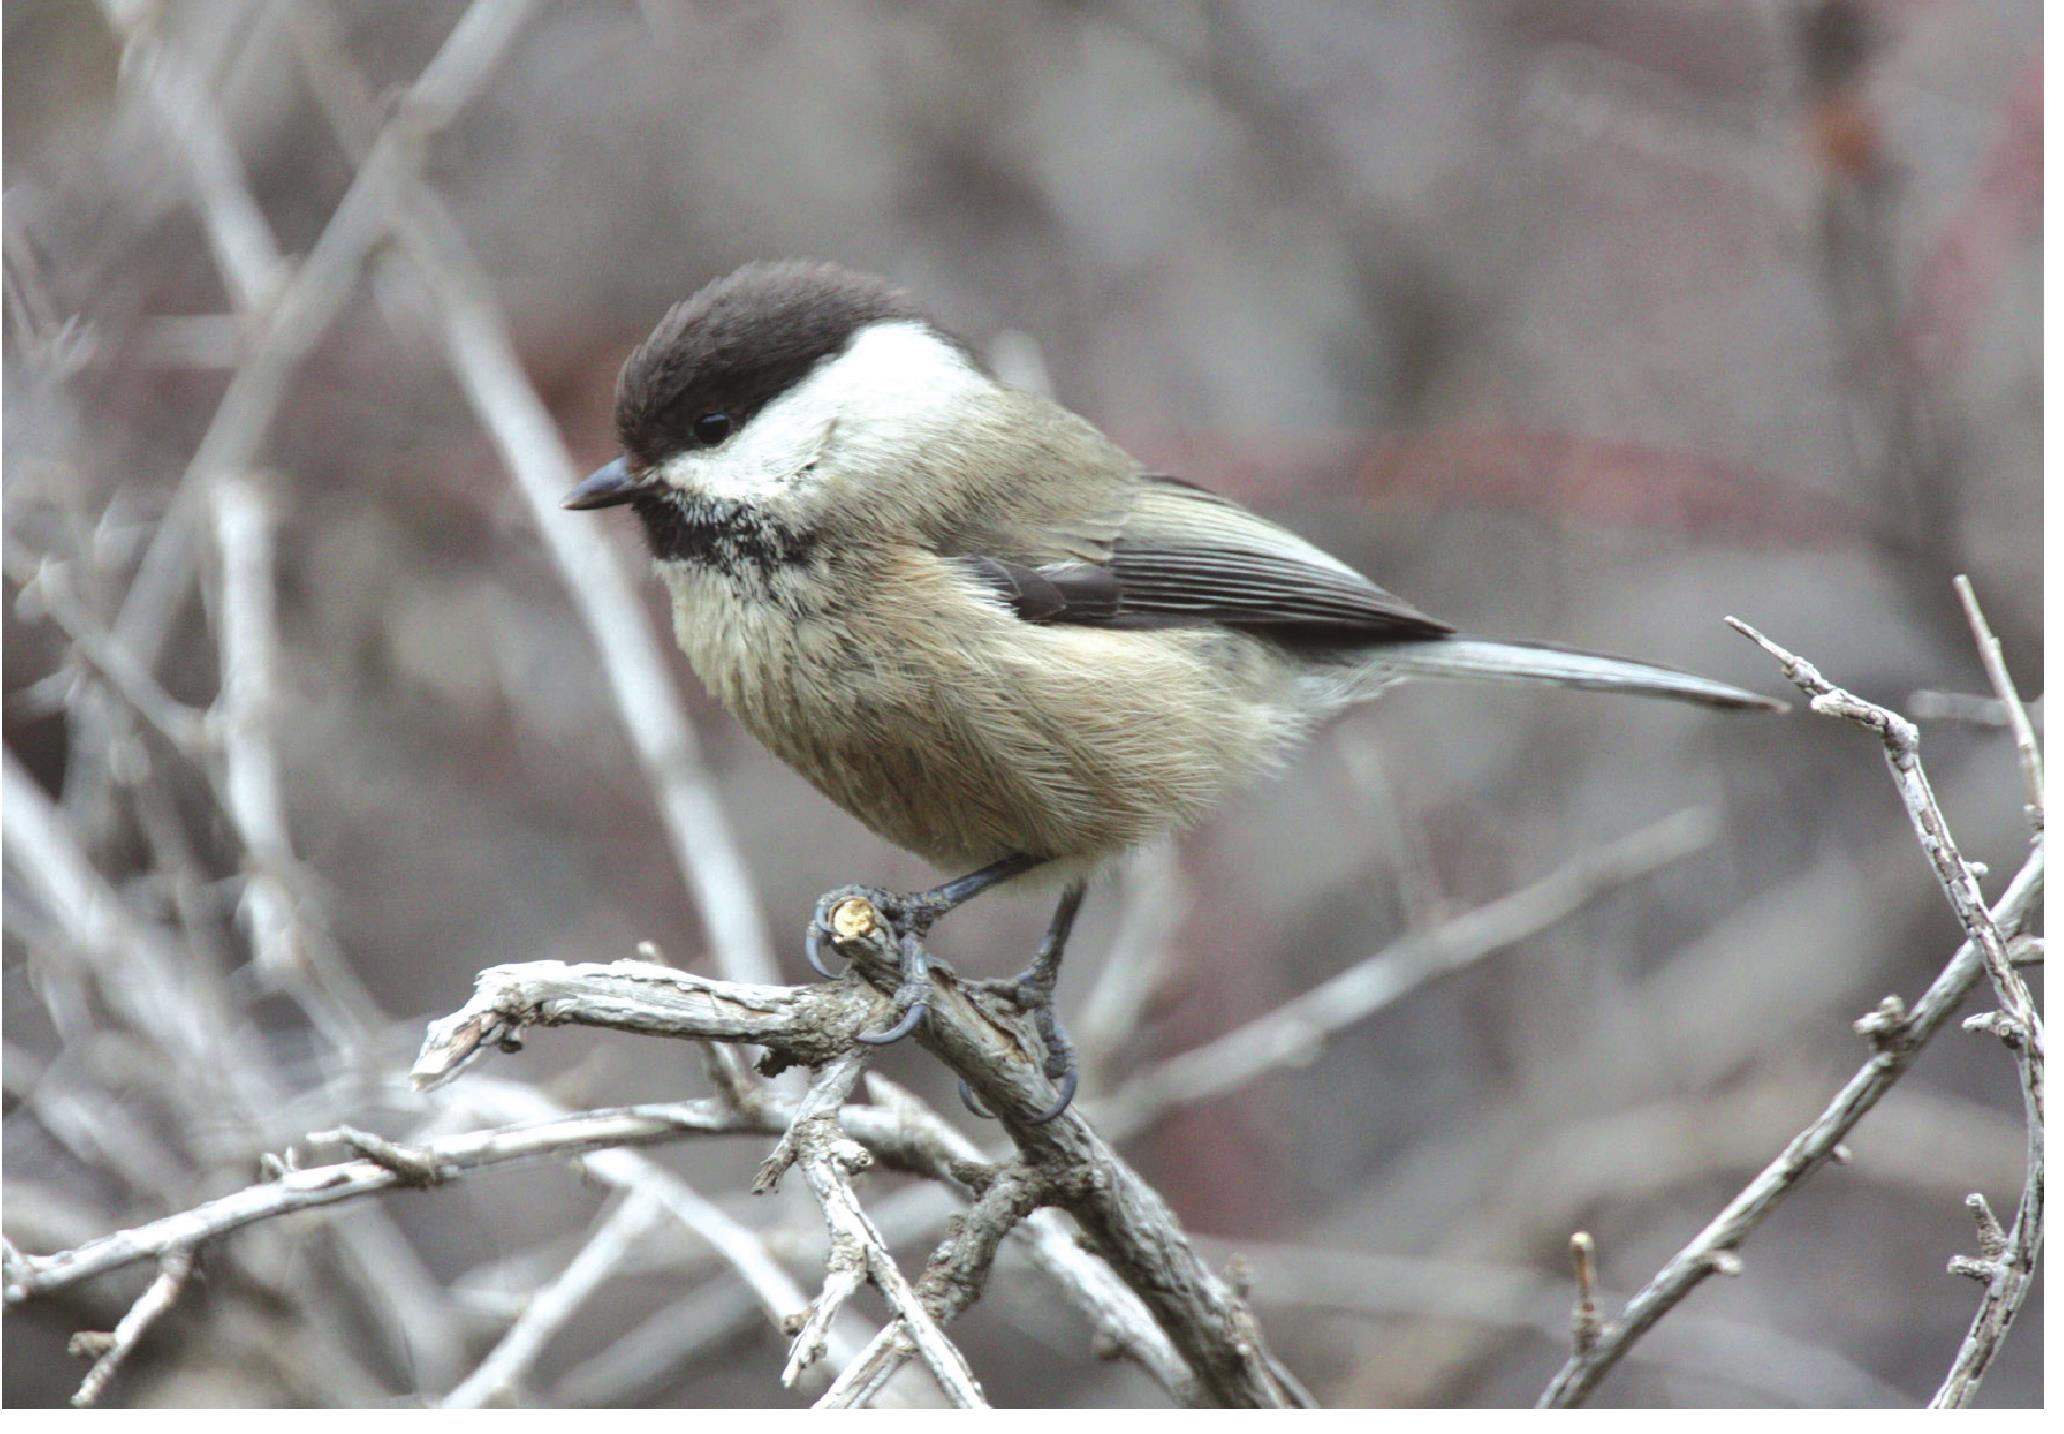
(606, 487)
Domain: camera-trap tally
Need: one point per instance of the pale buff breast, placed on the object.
(951, 728)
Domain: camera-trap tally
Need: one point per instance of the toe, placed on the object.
(975, 1107)
(896, 1032)
(1067, 1097)
(814, 942)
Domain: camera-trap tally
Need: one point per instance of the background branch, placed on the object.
(1897, 1035)
(280, 768)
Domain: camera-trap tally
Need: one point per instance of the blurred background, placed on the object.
(1592, 320)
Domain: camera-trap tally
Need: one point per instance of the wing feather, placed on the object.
(1184, 555)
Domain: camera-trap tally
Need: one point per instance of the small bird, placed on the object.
(972, 620)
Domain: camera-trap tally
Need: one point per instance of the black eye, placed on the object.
(712, 428)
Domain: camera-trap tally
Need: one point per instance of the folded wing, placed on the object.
(1184, 555)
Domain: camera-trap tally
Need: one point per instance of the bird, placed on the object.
(977, 624)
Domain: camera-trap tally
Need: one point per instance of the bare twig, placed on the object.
(286, 329)
(556, 1303)
(1584, 1316)
(292, 1190)
(2010, 1273)
(1294, 1029)
(484, 358)
(286, 947)
(829, 1159)
(1691, 1265)
(2018, 1024)
(1138, 957)
(1050, 1239)
(909, 1135)
(815, 1117)
(1930, 704)
(952, 1280)
(778, 1296)
(173, 1270)
(138, 971)
(245, 251)
(1897, 1036)
(2007, 1259)
(807, 1024)
(1124, 1219)
(2026, 747)
(1902, 743)
(595, 1139)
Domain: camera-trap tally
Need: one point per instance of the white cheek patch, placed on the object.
(895, 384)
(740, 470)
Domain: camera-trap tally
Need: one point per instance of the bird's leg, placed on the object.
(909, 915)
(1032, 989)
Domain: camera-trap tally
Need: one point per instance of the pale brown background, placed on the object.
(1584, 319)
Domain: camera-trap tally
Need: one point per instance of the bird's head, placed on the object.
(772, 401)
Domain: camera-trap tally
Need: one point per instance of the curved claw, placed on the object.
(975, 1107)
(813, 952)
(901, 1029)
(1067, 1083)
(1068, 1079)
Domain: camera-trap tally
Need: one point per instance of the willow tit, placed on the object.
(973, 621)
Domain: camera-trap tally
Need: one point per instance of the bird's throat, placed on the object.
(720, 533)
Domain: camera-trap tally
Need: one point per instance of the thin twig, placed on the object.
(286, 330)
(1584, 1315)
(483, 356)
(286, 947)
(1897, 1035)
(952, 1280)
(744, 1251)
(173, 1270)
(908, 1135)
(47, 584)
(245, 251)
(2026, 747)
(1293, 1030)
(2010, 1273)
(385, 1166)
(828, 1160)
(1121, 1215)
(292, 1190)
(1931, 704)
(1125, 1220)
(551, 1307)
(1902, 745)
(1898, 1049)
(1050, 1239)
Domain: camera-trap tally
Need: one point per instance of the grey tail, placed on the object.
(1483, 659)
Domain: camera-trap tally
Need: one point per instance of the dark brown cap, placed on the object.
(740, 343)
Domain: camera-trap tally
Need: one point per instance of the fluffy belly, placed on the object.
(1072, 744)
(966, 766)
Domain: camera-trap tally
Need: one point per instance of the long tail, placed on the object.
(1486, 660)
